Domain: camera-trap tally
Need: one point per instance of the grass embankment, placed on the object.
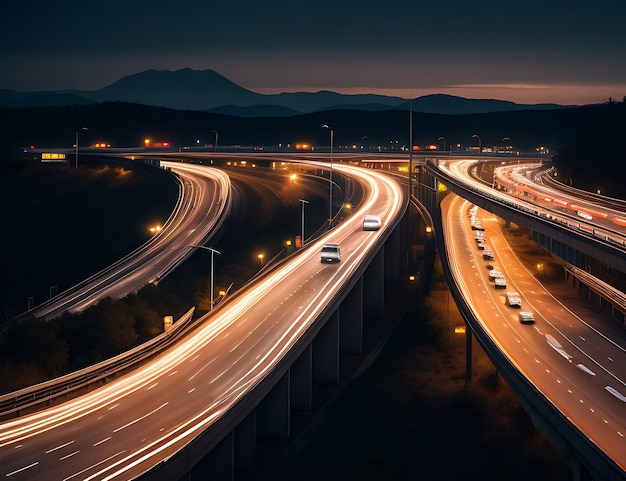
(413, 416)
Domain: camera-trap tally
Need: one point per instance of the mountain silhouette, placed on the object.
(207, 90)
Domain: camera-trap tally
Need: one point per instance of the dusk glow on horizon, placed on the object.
(567, 53)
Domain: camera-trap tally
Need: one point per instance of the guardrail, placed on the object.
(13, 404)
(607, 291)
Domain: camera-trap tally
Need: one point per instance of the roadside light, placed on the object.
(288, 243)
(261, 256)
(293, 177)
(412, 277)
(156, 229)
(222, 292)
(429, 229)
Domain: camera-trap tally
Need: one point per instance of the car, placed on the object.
(526, 317)
(513, 299)
(494, 274)
(331, 253)
(478, 226)
(500, 283)
(488, 255)
(372, 222)
(483, 246)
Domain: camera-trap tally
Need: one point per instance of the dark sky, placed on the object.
(531, 51)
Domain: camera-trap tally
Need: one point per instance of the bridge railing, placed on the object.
(33, 397)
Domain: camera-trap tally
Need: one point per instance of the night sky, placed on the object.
(532, 51)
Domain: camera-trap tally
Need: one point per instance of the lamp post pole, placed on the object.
(330, 187)
(303, 202)
(480, 147)
(213, 251)
(444, 143)
(84, 128)
(215, 146)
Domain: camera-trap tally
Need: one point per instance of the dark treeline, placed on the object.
(587, 140)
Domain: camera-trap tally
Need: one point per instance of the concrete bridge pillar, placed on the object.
(218, 464)
(273, 414)
(301, 377)
(351, 321)
(326, 351)
(245, 442)
(374, 287)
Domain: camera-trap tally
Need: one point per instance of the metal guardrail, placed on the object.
(12, 404)
(610, 293)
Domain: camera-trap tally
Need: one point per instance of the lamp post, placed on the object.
(84, 128)
(213, 251)
(444, 143)
(480, 148)
(330, 184)
(504, 139)
(303, 202)
(215, 146)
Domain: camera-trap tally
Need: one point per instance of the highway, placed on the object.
(134, 423)
(579, 364)
(203, 206)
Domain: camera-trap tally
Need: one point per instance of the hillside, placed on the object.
(586, 140)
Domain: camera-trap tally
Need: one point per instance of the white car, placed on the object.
(331, 253)
(372, 222)
(526, 317)
(500, 282)
(494, 274)
(513, 299)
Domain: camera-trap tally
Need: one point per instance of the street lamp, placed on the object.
(480, 148)
(303, 202)
(330, 187)
(261, 256)
(84, 128)
(213, 251)
(444, 143)
(215, 146)
(504, 139)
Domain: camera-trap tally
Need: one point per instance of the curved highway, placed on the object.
(578, 364)
(202, 207)
(136, 422)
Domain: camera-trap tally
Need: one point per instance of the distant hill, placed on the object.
(207, 90)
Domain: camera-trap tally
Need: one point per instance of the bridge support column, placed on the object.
(273, 414)
(393, 259)
(218, 464)
(245, 443)
(326, 352)
(301, 378)
(468, 354)
(374, 287)
(351, 321)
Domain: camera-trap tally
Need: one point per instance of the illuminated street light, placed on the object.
(213, 251)
(84, 128)
(330, 188)
(303, 202)
(444, 143)
(480, 148)
(261, 257)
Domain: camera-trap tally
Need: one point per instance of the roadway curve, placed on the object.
(578, 364)
(203, 204)
(135, 423)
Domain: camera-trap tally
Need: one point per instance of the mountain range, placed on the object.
(207, 90)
